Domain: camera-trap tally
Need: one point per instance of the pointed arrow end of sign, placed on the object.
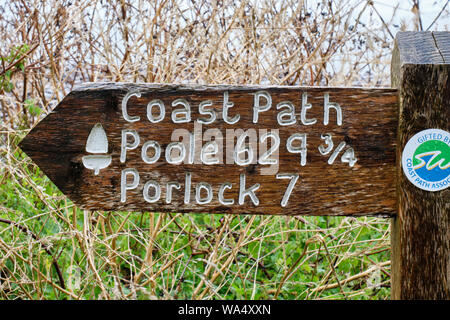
(58, 142)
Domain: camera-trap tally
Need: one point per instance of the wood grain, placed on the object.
(442, 40)
(417, 48)
(58, 142)
(420, 234)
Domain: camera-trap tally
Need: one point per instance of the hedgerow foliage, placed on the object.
(50, 249)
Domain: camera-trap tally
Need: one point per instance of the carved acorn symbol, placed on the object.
(97, 144)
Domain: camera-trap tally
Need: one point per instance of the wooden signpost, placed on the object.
(256, 150)
(224, 149)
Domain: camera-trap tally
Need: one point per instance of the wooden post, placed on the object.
(420, 232)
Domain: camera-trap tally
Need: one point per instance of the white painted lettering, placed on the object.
(265, 158)
(209, 153)
(181, 152)
(247, 192)
(169, 187)
(286, 117)
(181, 115)
(124, 185)
(124, 106)
(198, 190)
(257, 107)
(203, 111)
(327, 105)
(226, 106)
(290, 187)
(128, 146)
(301, 149)
(162, 111)
(305, 107)
(157, 191)
(222, 199)
(187, 188)
(151, 144)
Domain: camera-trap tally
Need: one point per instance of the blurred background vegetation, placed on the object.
(49, 249)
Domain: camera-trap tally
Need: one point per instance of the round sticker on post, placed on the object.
(426, 160)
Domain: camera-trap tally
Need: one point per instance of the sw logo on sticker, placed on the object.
(426, 160)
